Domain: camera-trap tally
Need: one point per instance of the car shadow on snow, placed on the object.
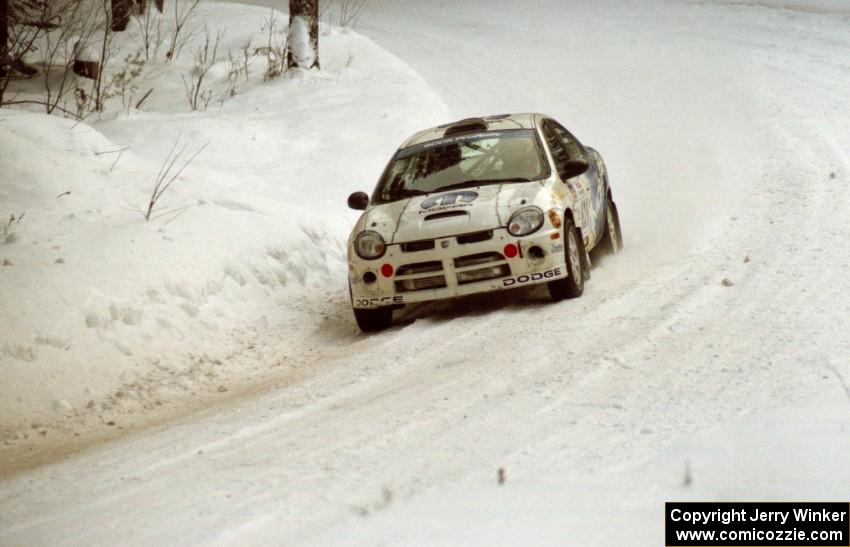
(337, 326)
(473, 305)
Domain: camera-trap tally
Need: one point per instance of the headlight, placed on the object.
(369, 245)
(525, 221)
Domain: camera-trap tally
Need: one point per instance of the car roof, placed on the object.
(500, 122)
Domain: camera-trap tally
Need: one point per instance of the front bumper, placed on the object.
(455, 266)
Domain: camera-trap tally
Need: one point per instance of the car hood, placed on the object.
(452, 212)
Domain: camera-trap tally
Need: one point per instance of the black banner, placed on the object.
(759, 524)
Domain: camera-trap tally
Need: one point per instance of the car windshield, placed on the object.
(489, 157)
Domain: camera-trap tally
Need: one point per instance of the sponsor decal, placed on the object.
(450, 200)
(529, 278)
(378, 302)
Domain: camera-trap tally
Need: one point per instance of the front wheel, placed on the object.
(612, 243)
(373, 320)
(571, 286)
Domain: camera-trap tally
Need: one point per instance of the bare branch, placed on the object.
(144, 98)
(205, 58)
(45, 104)
(183, 12)
(350, 12)
(165, 179)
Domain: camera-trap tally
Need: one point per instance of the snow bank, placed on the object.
(102, 311)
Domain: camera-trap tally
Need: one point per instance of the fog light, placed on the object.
(510, 250)
(387, 270)
(369, 278)
(536, 253)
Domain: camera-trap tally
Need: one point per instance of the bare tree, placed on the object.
(350, 12)
(68, 48)
(70, 37)
(100, 84)
(183, 12)
(303, 34)
(4, 36)
(150, 33)
(165, 179)
(5, 58)
(18, 33)
(274, 50)
(205, 58)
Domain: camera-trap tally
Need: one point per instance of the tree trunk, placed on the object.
(4, 36)
(160, 5)
(120, 14)
(87, 69)
(141, 6)
(303, 41)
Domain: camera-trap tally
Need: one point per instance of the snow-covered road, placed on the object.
(724, 126)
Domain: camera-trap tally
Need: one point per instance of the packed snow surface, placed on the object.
(716, 346)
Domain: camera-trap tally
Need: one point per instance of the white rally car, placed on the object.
(483, 204)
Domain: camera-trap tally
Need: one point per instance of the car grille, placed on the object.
(421, 267)
(476, 259)
(421, 283)
(472, 268)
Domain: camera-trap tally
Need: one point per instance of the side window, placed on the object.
(574, 148)
(559, 153)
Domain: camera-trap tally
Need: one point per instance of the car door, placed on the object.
(581, 186)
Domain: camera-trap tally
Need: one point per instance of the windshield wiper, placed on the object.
(479, 182)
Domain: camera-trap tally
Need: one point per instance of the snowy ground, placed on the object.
(107, 315)
(724, 128)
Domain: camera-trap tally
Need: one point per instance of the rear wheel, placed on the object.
(612, 243)
(373, 320)
(571, 286)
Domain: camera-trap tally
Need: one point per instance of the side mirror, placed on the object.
(358, 201)
(574, 168)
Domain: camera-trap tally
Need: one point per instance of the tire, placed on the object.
(373, 320)
(612, 242)
(571, 286)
